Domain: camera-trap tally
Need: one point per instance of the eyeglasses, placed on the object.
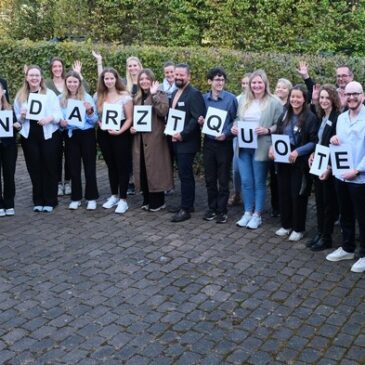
(219, 80)
(342, 76)
(352, 94)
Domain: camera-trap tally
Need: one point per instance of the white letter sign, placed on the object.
(320, 161)
(247, 138)
(75, 114)
(142, 118)
(175, 122)
(35, 107)
(6, 123)
(112, 116)
(281, 145)
(214, 121)
(341, 159)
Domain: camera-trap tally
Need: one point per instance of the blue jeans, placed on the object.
(253, 180)
(235, 170)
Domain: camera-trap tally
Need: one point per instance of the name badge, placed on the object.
(181, 103)
(329, 123)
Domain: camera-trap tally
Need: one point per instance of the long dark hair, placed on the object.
(290, 112)
(333, 96)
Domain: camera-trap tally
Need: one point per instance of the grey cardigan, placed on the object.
(268, 119)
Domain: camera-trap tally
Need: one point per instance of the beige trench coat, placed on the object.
(155, 147)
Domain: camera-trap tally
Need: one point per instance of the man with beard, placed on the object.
(350, 186)
(186, 143)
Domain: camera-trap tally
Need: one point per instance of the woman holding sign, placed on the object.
(8, 155)
(115, 140)
(300, 124)
(151, 158)
(79, 118)
(262, 110)
(38, 110)
(328, 110)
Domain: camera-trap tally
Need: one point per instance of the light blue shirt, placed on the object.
(352, 133)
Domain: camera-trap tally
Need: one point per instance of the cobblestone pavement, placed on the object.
(79, 287)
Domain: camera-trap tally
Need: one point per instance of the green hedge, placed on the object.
(14, 54)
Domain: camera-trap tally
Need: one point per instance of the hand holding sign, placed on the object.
(214, 121)
(281, 147)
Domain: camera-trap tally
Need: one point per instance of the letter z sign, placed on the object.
(142, 118)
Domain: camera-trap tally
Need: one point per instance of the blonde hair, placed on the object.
(127, 74)
(286, 82)
(24, 91)
(249, 96)
(66, 93)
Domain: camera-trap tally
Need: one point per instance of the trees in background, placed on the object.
(323, 26)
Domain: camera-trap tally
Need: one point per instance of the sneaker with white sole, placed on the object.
(47, 209)
(60, 189)
(2, 213)
(10, 212)
(38, 208)
(339, 255)
(91, 205)
(244, 219)
(67, 188)
(359, 265)
(296, 236)
(255, 222)
(111, 202)
(74, 205)
(163, 206)
(282, 232)
(122, 207)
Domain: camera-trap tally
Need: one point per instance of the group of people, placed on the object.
(308, 115)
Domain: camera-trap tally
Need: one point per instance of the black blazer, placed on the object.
(192, 103)
(4, 84)
(329, 129)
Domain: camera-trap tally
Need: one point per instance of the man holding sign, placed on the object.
(186, 143)
(350, 184)
(217, 150)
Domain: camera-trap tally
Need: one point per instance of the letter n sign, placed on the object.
(214, 121)
(142, 118)
(6, 123)
(112, 116)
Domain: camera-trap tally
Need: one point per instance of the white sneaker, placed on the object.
(339, 255)
(60, 189)
(359, 265)
(2, 213)
(74, 205)
(255, 222)
(122, 207)
(111, 202)
(47, 209)
(163, 206)
(282, 232)
(91, 205)
(10, 211)
(38, 208)
(296, 236)
(67, 188)
(244, 219)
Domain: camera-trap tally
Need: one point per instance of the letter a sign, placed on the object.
(75, 113)
(214, 121)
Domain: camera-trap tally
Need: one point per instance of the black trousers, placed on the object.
(63, 150)
(82, 147)
(153, 199)
(117, 154)
(217, 159)
(351, 201)
(8, 155)
(186, 175)
(41, 160)
(293, 196)
(326, 206)
(274, 186)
